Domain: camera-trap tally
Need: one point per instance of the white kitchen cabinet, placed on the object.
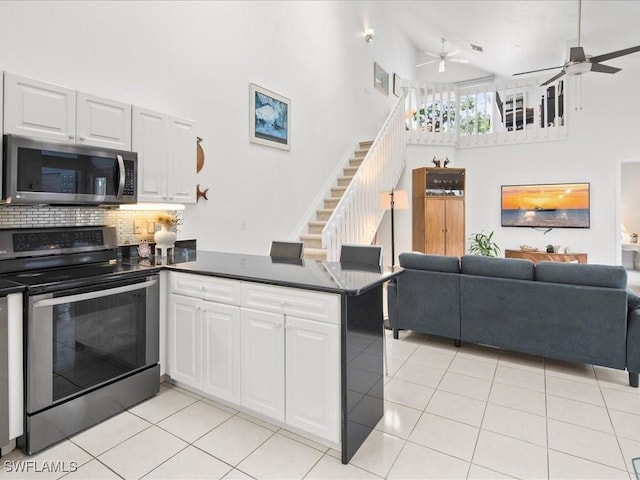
(183, 152)
(39, 109)
(205, 334)
(262, 362)
(221, 351)
(269, 349)
(313, 377)
(102, 122)
(167, 151)
(185, 339)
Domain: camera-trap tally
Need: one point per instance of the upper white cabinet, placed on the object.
(39, 109)
(102, 122)
(167, 151)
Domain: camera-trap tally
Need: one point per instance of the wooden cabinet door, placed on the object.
(262, 362)
(103, 123)
(182, 150)
(435, 226)
(185, 341)
(39, 109)
(221, 351)
(454, 227)
(313, 377)
(149, 130)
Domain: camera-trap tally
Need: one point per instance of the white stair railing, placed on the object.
(357, 216)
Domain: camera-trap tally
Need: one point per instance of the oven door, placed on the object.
(83, 338)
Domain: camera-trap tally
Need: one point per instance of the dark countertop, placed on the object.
(7, 287)
(332, 277)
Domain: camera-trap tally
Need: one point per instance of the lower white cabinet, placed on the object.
(313, 377)
(204, 351)
(221, 351)
(185, 335)
(257, 351)
(262, 362)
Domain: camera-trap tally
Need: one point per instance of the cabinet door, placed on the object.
(182, 150)
(435, 226)
(149, 130)
(38, 109)
(102, 122)
(313, 377)
(262, 362)
(185, 325)
(221, 351)
(455, 227)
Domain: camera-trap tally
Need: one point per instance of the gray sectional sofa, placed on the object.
(573, 312)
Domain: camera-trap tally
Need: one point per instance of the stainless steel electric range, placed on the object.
(91, 329)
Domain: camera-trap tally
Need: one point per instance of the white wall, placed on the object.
(196, 59)
(601, 136)
(630, 205)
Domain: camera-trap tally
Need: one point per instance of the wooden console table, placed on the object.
(536, 257)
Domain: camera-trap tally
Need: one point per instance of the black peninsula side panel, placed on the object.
(362, 368)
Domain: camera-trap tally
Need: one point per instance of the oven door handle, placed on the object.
(48, 302)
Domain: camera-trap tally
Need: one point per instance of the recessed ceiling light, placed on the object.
(477, 48)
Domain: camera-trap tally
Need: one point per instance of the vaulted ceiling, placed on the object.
(516, 35)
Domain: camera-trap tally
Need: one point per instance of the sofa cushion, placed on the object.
(434, 263)
(633, 300)
(515, 268)
(608, 276)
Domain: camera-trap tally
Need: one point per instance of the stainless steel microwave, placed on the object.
(43, 172)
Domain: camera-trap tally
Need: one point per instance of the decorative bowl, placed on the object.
(527, 248)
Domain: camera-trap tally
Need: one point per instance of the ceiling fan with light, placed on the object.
(443, 58)
(580, 63)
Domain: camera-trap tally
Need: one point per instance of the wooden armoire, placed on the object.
(438, 210)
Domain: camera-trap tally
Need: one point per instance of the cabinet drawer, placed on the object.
(218, 290)
(324, 307)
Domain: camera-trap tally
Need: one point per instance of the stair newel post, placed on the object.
(393, 243)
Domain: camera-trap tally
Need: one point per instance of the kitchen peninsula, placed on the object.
(297, 342)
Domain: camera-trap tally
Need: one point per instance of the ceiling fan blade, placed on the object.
(451, 54)
(425, 63)
(619, 53)
(431, 54)
(597, 67)
(458, 60)
(576, 54)
(539, 70)
(553, 79)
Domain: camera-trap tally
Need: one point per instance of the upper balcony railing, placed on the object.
(486, 114)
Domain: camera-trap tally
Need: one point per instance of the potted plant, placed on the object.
(483, 244)
(166, 236)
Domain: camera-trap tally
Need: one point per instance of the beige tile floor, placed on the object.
(468, 413)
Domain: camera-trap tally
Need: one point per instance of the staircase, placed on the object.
(351, 212)
(313, 239)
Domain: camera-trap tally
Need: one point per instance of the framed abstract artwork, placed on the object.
(269, 118)
(397, 90)
(380, 79)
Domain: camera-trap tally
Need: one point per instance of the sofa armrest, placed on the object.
(633, 340)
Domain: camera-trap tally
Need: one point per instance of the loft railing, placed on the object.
(486, 114)
(357, 215)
